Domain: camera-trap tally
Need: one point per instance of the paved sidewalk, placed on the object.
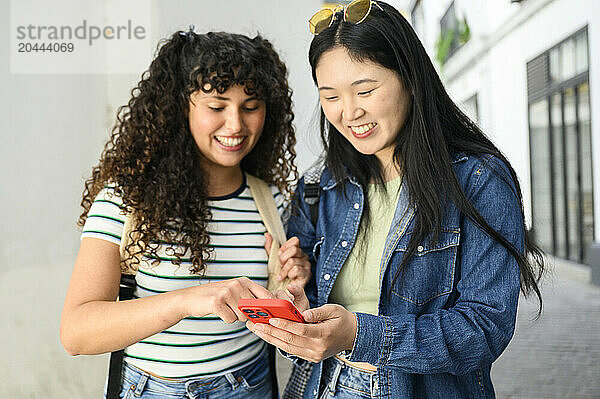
(557, 356)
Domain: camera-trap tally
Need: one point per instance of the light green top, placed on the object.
(357, 286)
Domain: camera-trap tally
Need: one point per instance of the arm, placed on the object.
(470, 334)
(479, 326)
(92, 322)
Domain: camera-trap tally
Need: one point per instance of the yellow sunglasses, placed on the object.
(355, 12)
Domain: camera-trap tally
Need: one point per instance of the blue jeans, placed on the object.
(342, 381)
(250, 382)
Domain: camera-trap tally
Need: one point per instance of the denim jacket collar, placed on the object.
(328, 181)
(459, 157)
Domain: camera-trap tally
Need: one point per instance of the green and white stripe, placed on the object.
(195, 346)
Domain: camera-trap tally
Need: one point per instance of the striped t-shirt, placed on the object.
(196, 346)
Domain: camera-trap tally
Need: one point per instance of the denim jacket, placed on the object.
(425, 342)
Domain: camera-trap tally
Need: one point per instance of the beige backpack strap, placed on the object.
(265, 203)
(130, 222)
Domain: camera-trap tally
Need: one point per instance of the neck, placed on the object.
(388, 166)
(223, 181)
(390, 172)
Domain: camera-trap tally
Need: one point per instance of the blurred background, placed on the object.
(528, 72)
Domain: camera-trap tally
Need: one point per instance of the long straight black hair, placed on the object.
(434, 131)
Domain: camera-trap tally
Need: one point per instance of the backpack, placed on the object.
(302, 370)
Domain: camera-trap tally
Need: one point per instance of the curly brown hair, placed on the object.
(151, 159)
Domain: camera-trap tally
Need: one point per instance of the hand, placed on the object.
(296, 295)
(221, 298)
(294, 262)
(334, 331)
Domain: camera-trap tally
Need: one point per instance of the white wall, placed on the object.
(508, 59)
(499, 75)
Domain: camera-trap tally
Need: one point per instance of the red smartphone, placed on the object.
(261, 310)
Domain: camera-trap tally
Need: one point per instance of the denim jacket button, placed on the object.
(420, 248)
(344, 244)
(326, 277)
(356, 205)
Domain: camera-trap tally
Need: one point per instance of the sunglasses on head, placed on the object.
(355, 12)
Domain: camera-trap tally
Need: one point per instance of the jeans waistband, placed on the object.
(338, 375)
(358, 365)
(139, 380)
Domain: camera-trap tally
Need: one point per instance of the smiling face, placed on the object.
(225, 126)
(366, 102)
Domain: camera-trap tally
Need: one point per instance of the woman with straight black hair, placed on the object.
(420, 248)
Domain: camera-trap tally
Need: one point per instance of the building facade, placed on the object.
(529, 73)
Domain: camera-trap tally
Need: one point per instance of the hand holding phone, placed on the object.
(261, 310)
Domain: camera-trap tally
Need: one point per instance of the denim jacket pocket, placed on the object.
(430, 272)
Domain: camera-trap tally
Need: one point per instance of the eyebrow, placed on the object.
(221, 98)
(355, 83)
(361, 81)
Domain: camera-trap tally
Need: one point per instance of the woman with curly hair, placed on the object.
(211, 108)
